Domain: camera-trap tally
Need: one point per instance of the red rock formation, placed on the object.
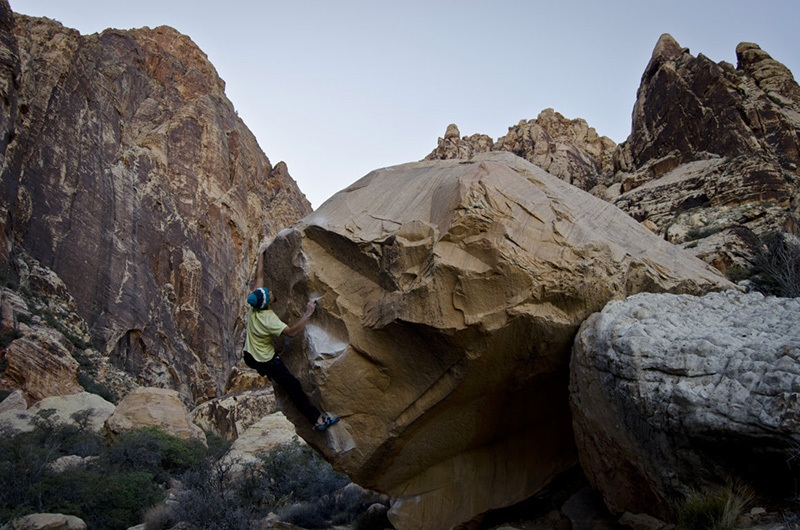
(712, 159)
(128, 173)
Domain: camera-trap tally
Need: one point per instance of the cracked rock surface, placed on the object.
(451, 292)
(672, 392)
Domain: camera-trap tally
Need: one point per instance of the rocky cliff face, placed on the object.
(712, 161)
(449, 305)
(713, 155)
(128, 173)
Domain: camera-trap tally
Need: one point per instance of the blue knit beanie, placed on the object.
(259, 298)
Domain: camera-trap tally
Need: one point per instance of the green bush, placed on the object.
(295, 473)
(124, 484)
(103, 499)
(291, 480)
(93, 387)
(702, 232)
(155, 452)
(112, 491)
(24, 318)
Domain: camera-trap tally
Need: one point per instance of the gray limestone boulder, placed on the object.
(675, 392)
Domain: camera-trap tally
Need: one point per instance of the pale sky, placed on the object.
(338, 88)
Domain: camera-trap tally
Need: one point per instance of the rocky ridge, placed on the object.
(711, 162)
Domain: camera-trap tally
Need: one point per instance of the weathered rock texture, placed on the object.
(714, 151)
(568, 149)
(49, 353)
(91, 409)
(153, 407)
(267, 433)
(128, 173)
(451, 293)
(712, 162)
(670, 393)
(232, 415)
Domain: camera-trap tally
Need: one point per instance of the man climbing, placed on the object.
(263, 325)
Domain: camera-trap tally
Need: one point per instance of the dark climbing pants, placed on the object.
(280, 375)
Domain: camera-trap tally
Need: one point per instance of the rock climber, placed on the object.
(263, 325)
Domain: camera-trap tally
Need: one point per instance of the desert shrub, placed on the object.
(159, 517)
(791, 520)
(123, 485)
(702, 232)
(155, 452)
(776, 267)
(93, 387)
(61, 439)
(8, 336)
(291, 480)
(217, 445)
(102, 497)
(212, 498)
(295, 473)
(304, 515)
(54, 322)
(24, 318)
(714, 509)
(306, 491)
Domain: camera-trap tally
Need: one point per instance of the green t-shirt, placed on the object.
(261, 327)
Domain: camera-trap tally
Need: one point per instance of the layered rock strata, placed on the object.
(450, 295)
(673, 394)
(714, 152)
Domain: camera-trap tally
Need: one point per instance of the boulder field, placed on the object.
(451, 292)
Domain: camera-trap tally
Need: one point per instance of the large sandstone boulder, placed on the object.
(83, 410)
(672, 393)
(451, 294)
(269, 432)
(153, 407)
(130, 176)
(41, 363)
(712, 162)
